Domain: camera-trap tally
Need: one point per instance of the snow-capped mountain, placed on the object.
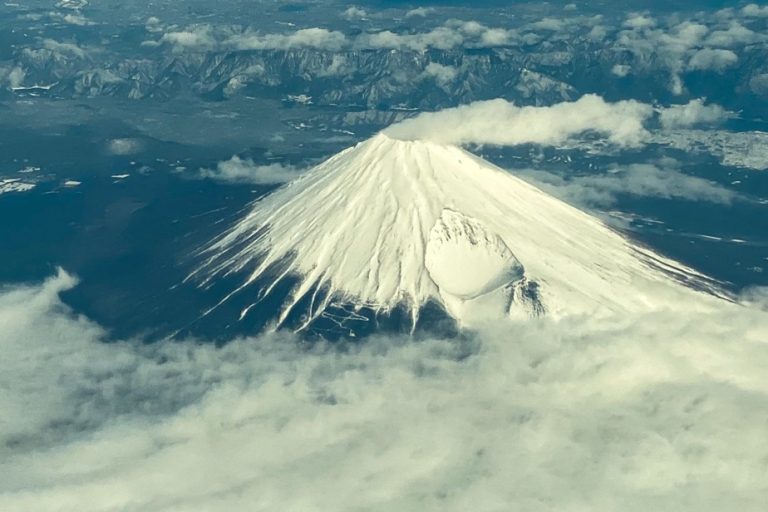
(391, 223)
(381, 80)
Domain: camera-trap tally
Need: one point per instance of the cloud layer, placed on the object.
(667, 411)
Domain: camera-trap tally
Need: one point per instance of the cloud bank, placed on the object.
(667, 411)
(500, 122)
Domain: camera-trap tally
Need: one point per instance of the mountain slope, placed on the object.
(392, 222)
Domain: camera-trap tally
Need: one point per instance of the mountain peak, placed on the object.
(383, 147)
(392, 222)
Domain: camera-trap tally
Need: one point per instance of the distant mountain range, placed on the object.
(386, 79)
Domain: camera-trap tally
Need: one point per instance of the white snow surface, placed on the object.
(391, 222)
(14, 185)
(465, 260)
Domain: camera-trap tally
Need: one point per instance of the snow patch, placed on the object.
(465, 260)
(468, 264)
(14, 185)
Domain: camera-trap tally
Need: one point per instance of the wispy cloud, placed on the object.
(603, 190)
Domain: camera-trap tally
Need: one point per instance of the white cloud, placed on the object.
(713, 59)
(473, 28)
(193, 38)
(758, 84)
(756, 297)
(583, 414)
(419, 11)
(496, 37)
(238, 170)
(443, 75)
(621, 70)
(153, 25)
(124, 146)
(562, 26)
(755, 10)
(354, 12)
(639, 21)
(503, 123)
(685, 35)
(235, 84)
(597, 33)
(338, 66)
(692, 113)
(453, 34)
(443, 38)
(552, 24)
(735, 34)
(309, 38)
(72, 18)
(671, 47)
(60, 48)
(14, 76)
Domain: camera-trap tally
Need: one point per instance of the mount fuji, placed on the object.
(403, 225)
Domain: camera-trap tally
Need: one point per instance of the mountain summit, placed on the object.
(391, 223)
